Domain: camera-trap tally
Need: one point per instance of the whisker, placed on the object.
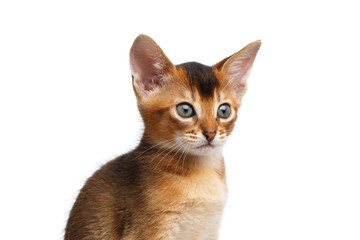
(176, 145)
(165, 147)
(182, 165)
(168, 140)
(183, 144)
(183, 150)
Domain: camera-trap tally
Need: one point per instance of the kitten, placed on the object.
(172, 186)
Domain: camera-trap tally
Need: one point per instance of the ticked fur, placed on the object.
(173, 185)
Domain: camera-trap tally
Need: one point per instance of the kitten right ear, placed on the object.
(238, 66)
(148, 65)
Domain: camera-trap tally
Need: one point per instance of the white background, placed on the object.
(67, 107)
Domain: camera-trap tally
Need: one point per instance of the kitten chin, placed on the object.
(206, 150)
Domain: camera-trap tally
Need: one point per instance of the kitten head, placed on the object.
(189, 107)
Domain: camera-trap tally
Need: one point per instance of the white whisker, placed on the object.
(165, 147)
(182, 165)
(182, 153)
(168, 140)
(175, 146)
(181, 147)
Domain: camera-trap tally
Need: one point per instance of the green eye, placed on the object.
(224, 111)
(185, 110)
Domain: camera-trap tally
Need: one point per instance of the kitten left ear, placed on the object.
(238, 66)
(148, 65)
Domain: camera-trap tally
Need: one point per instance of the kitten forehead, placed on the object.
(201, 77)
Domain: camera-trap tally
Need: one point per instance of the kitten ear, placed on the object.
(238, 66)
(148, 65)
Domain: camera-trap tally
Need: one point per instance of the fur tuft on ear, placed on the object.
(238, 66)
(148, 65)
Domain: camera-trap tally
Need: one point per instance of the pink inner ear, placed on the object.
(143, 64)
(150, 84)
(238, 66)
(148, 64)
(239, 69)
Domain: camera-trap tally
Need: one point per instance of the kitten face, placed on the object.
(200, 91)
(206, 130)
(189, 108)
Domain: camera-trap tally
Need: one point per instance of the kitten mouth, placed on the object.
(205, 146)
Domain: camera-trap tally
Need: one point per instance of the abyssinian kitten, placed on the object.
(172, 186)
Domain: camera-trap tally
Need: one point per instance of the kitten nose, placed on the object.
(209, 135)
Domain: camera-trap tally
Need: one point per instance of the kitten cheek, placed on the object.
(227, 126)
(185, 124)
(219, 141)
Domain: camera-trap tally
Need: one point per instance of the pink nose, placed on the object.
(209, 135)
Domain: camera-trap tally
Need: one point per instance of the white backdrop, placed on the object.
(67, 107)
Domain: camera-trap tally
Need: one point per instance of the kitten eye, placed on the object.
(224, 111)
(185, 110)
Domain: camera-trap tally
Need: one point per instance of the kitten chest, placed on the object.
(199, 220)
(194, 204)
